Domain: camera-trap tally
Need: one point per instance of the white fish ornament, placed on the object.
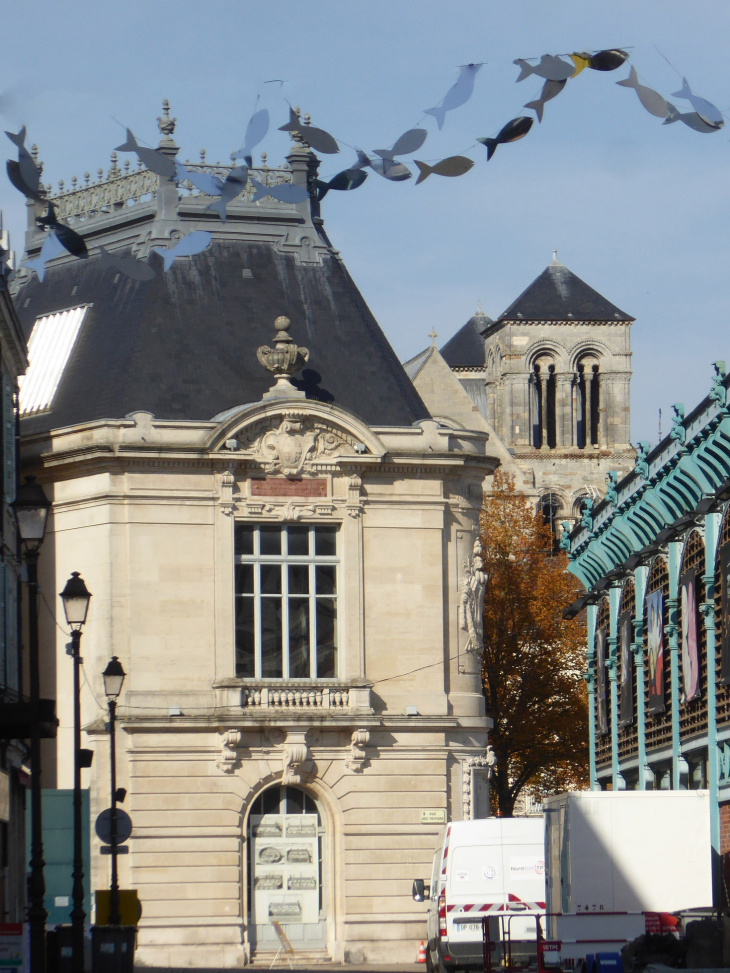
(188, 246)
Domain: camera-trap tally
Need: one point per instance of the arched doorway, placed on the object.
(286, 873)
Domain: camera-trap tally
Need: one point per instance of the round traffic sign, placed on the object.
(104, 826)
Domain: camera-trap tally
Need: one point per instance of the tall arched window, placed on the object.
(543, 413)
(588, 402)
(551, 509)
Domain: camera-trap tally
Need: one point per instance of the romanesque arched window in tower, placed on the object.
(544, 430)
(588, 402)
(551, 508)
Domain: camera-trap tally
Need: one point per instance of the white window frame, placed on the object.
(312, 560)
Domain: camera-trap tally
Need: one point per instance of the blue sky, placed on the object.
(637, 209)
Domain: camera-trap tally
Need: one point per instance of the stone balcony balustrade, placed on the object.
(262, 698)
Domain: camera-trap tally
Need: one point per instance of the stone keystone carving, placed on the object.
(471, 600)
(298, 764)
(285, 358)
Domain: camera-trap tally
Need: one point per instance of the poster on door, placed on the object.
(285, 862)
(626, 703)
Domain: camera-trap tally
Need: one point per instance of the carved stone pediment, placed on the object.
(292, 442)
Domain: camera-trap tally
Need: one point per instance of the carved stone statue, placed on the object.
(471, 600)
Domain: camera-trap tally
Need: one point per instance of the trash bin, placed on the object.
(59, 949)
(112, 949)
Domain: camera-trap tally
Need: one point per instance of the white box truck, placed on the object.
(612, 856)
(491, 867)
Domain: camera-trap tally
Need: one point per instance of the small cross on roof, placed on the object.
(433, 335)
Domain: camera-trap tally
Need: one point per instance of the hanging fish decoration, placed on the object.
(711, 114)
(654, 103)
(551, 68)
(285, 192)
(13, 170)
(387, 168)
(206, 182)
(188, 246)
(52, 247)
(29, 171)
(455, 165)
(515, 129)
(457, 95)
(155, 161)
(551, 89)
(409, 142)
(129, 266)
(343, 181)
(231, 187)
(691, 119)
(607, 60)
(316, 138)
(256, 131)
(69, 238)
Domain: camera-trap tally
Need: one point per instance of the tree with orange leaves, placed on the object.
(533, 657)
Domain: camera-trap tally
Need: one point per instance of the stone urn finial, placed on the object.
(284, 359)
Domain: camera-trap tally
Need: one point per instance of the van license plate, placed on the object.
(468, 926)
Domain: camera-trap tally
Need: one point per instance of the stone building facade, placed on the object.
(550, 378)
(289, 575)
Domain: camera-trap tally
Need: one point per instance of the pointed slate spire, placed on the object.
(466, 348)
(559, 295)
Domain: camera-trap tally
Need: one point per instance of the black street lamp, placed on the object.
(113, 681)
(31, 508)
(76, 598)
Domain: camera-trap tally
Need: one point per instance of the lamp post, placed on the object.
(113, 681)
(31, 508)
(76, 598)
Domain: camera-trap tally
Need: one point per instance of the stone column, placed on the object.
(574, 406)
(603, 400)
(544, 408)
(563, 408)
(588, 397)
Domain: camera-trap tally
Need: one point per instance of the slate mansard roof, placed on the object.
(559, 295)
(183, 345)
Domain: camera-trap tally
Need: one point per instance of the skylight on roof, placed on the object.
(49, 349)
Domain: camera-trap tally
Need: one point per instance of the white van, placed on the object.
(491, 867)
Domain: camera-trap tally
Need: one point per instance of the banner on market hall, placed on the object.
(725, 569)
(626, 707)
(690, 637)
(655, 623)
(602, 709)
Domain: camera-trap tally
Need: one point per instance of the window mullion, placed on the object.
(312, 621)
(285, 618)
(257, 618)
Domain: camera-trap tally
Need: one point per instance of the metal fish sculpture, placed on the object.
(515, 129)
(344, 181)
(155, 161)
(28, 169)
(691, 119)
(551, 68)
(607, 60)
(256, 131)
(13, 170)
(654, 103)
(455, 165)
(129, 266)
(458, 94)
(409, 142)
(711, 114)
(52, 247)
(69, 238)
(234, 184)
(549, 90)
(285, 193)
(387, 168)
(188, 246)
(206, 182)
(317, 138)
